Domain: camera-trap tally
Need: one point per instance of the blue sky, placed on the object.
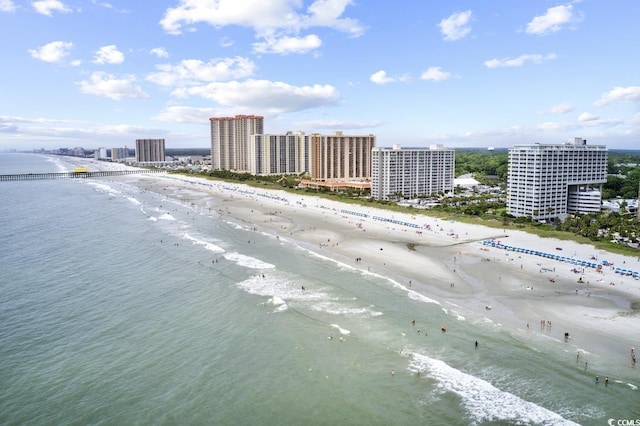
(93, 73)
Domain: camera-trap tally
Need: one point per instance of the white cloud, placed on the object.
(619, 94)
(519, 61)
(456, 26)
(17, 119)
(327, 13)
(338, 124)
(160, 52)
(552, 21)
(264, 95)
(585, 116)
(194, 71)
(52, 52)
(561, 108)
(435, 74)
(286, 45)
(47, 7)
(266, 18)
(584, 121)
(636, 119)
(109, 6)
(381, 77)
(108, 55)
(103, 84)
(554, 126)
(7, 6)
(186, 114)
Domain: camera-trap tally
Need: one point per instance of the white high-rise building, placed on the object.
(278, 154)
(100, 154)
(411, 172)
(230, 138)
(552, 181)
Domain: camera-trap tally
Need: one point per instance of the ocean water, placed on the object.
(123, 306)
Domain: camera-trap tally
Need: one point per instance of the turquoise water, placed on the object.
(123, 306)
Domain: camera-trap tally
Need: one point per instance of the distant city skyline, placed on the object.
(464, 74)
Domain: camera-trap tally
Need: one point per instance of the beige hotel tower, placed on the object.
(230, 139)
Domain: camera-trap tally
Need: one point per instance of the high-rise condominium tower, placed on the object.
(150, 151)
(552, 181)
(411, 172)
(341, 157)
(230, 137)
(279, 154)
(119, 154)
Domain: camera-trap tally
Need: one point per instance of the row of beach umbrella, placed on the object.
(380, 218)
(554, 256)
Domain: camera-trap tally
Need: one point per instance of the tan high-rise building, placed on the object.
(230, 138)
(341, 157)
(150, 151)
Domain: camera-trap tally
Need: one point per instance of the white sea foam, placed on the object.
(341, 330)
(167, 216)
(207, 245)
(414, 295)
(134, 201)
(279, 290)
(102, 187)
(458, 316)
(337, 307)
(277, 301)
(280, 304)
(248, 261)
(483, 401)
(278, 287)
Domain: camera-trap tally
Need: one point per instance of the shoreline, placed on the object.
(446, 261)
(519, 289)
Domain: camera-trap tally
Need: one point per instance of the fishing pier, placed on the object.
(77, 174)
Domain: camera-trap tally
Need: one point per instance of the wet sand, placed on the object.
(448, 262)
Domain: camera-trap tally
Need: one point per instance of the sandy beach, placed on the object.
(446, 261)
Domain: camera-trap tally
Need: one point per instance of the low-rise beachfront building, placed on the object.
(411, 172)
(278, 154)
(549, 181)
